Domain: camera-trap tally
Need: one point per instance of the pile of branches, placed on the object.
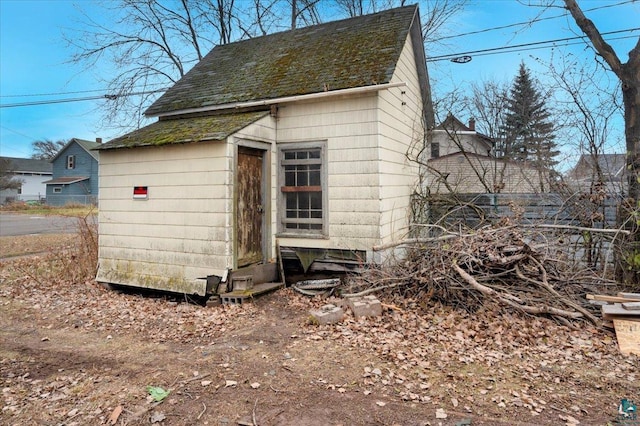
(497, 265)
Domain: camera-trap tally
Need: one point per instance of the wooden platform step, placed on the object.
(244, 296)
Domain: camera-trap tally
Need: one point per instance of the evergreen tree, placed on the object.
(527, 133)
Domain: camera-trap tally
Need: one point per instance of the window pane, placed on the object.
(314, 175)
(303, 205)
(302, 176)
(302, 208)
(292, 202)
(290, 175)
(316, 200)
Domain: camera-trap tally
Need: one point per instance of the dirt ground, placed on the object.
(75, 353)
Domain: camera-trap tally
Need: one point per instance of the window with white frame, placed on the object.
(71, 161)
(303, 189)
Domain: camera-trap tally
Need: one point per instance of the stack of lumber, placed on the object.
(624, 310)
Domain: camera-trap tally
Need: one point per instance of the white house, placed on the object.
(460, 159)
(31, 173)
(296, 140)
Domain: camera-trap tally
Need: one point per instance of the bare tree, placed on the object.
(629, 75)
(151, 45)
(436, 15)
(487, 104)
(220, 14)
(305, 11)
(7, 180)
(46, 149)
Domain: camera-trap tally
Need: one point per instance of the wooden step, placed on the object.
(244, 296)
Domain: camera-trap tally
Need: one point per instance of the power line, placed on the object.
(481, 52)
(85, 98)
(17, 132)
(517, 24)
(517, 46)
(69, 93)
(536, 48)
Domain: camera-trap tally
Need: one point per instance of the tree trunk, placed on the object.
(628, 270)
(628, 262)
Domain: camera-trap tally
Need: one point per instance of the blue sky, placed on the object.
(33, 60)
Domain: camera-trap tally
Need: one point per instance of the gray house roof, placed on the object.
(28, 165)
(86, 145)
(613, 167)
(185, 130)
(452, 123)
(354, 52)
(350, 53)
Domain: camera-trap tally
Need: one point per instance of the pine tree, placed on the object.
(528, 133)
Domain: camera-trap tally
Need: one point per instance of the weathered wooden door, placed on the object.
(249, 207)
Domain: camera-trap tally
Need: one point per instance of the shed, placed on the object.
(297, 140)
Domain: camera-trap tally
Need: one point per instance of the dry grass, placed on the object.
(25, 245)
(68, 256)
(74, 209)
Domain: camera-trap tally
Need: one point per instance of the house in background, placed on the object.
(75, 174)
(460, 160)
(297, 140)
(32, 173)
(608, 169)
(453, 136)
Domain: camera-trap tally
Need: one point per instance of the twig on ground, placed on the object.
(204, 408)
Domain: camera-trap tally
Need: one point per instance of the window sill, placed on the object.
(302, 235)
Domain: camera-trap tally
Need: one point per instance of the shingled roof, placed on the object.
(28, 165)
(186, 130)
(88, 146)
(354, 52)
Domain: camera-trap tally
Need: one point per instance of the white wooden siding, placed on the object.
(401, 134)
(452, 142)
(183, 231)
(349, 125)
(462, 176)
(370, 180)
(179, 234)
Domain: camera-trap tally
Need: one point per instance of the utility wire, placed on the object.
(526, 49)
(481, 52)
(85, 98)
(516, 46)
(69, 93)
(517, 24)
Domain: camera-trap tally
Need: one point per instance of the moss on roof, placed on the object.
(185, 130)
(354, 52)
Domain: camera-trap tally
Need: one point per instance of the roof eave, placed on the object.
(282, 100)
(180, 142)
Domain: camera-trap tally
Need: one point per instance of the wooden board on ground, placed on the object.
(634, 296)
(617, 311)
(632, 306)
(628, 335)
(610, 299)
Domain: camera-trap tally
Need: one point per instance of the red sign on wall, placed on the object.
(140, 192)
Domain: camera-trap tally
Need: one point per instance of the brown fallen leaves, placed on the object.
(460, 360)
(424, 353)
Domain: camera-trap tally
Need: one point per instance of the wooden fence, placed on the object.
(549, 214)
